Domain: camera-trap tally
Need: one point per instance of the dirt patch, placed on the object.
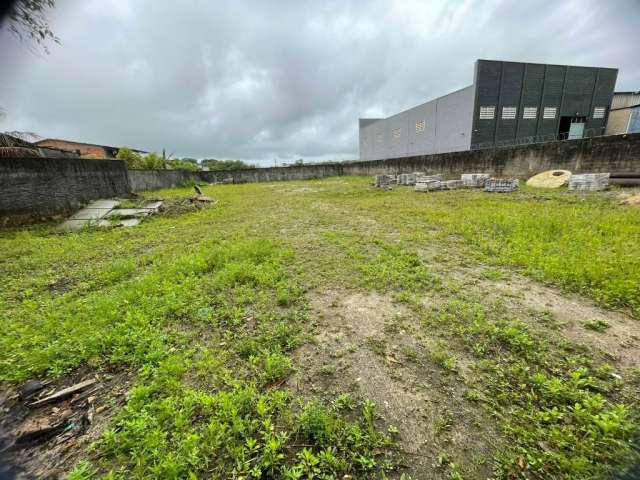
(47, 441)
(366, 345)
(619, 340)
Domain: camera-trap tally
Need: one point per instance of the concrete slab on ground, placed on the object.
(103, 203)
(125, 222)
(90, 213)
(72, 225)
(129, 212)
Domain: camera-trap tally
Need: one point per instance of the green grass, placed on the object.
(206, 307)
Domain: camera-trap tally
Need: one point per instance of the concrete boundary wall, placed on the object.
(140, 180)
(619, 154)
(39, 187)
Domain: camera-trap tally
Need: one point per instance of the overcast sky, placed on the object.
(280, 80)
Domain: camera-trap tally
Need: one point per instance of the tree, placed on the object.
(131, 158)
(27, 21)
(135, 161)
(217, 165)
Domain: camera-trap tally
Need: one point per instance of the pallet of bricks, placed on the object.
(409, 178)
(384, 181)
(474, 180)
(501, 185)
(428, 183)
(590, 182)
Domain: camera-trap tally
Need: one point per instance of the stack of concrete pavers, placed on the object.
(501, 185)
(409, 178)
(383, 181)
(474, 180)
(591, 182)
(452, 184)
(425, 183)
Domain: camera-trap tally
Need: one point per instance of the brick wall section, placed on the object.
(46, 186)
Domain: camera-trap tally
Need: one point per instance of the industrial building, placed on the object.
(624, 116)
(508, 103)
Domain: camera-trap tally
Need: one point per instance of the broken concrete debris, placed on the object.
(591, 182)
(105, 213)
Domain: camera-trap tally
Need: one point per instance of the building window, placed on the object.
(397, 132)
(379, 138)
(549, 112)
(509, 113)
(487, 113)
(530, 112)
(598, 112)
(420, 126)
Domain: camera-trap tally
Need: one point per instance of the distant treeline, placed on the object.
(153, 161)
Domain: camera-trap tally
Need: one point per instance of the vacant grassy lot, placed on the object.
(324, 328)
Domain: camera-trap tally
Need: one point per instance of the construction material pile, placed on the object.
(591, 182)
(408, 178)
(425, 183)
(384, 181)
(549, 179)
(625, 179)
(474, 180)
(501, 185)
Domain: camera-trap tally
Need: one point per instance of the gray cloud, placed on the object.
(281, 80)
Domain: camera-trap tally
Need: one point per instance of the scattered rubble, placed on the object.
(62, 394)
(105, 213)
(46, 426)
(591, 182)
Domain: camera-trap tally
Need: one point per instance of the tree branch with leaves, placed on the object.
(27, 20)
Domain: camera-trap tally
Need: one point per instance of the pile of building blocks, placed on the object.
(474, 180)
(501, 185)
(591, 182)
(384, 181)
(409, 179)
(425, 183)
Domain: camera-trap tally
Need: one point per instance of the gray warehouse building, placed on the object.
(508, 103)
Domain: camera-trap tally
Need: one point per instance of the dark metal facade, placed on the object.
(577, 92)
